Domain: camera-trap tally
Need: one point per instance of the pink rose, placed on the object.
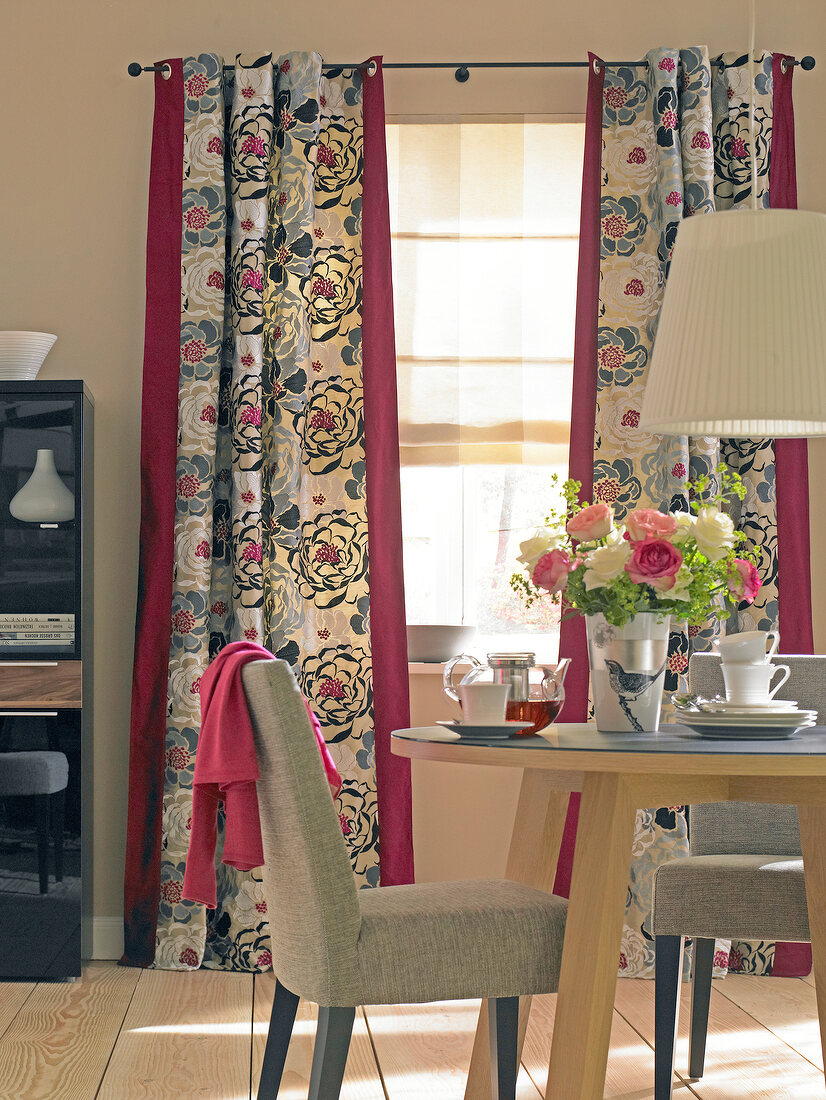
(593, 522)
(649, 523)
(551, 571)
(654, 562)
(743, 581)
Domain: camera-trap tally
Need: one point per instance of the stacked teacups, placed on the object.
(748, 672)
(750, 710)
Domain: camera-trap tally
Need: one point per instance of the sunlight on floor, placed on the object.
(301, 1027)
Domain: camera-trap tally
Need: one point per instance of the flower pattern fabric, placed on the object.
(676, 143)
(271, 523)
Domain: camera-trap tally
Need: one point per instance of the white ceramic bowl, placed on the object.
(22, 354)
(438, 643)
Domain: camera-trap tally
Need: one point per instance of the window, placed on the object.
(485, 222)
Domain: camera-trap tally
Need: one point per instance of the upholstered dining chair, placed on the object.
(342, 947)
(743, 880)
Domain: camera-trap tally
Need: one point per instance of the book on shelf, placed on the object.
(36, 636)
(36, 617)
(53, 623)
(46, 643)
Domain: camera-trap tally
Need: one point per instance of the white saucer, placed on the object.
(748, 718)
(730, 732)
(723, 706)
(501, 730)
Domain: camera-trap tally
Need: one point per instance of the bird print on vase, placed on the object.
(629, 686)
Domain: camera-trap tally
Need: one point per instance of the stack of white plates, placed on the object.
(719, 719)
(22, 353)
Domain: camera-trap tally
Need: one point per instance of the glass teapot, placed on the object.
(536, 691)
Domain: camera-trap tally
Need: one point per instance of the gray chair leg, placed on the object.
(503, 1020)
(284, 1007)
(668, 966)
(702, 968)
(332, 1042)
(41, 802)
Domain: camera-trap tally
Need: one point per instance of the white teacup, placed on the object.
(483, 704)
(752, 684)
(748, 647)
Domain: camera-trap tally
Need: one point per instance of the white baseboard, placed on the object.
(107, 937)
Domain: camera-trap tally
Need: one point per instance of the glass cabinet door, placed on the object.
(39, 552)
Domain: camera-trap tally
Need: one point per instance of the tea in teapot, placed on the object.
(536, 692)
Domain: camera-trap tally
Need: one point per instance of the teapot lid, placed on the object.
(511, 660)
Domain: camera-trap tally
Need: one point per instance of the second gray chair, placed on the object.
(743, 881)
(342, 947)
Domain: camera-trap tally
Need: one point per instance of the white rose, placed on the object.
(533, 549)
(606, 563)
(714, 533)
(685, 526)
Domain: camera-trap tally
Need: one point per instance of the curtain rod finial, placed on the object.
(807, 62)
(134, 68)
(462, 74)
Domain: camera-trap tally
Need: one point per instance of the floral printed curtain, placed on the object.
(270, 525)
(676, 142)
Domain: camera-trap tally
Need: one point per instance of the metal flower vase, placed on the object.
(627, 671)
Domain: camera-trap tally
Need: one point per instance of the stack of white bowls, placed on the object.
(22, 354)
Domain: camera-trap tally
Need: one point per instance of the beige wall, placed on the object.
(75, 140)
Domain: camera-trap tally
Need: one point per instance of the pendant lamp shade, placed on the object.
(740, 348)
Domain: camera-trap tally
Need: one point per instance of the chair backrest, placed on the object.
(312, 901)
(753, 828)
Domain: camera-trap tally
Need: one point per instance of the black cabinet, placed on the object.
(46, 445)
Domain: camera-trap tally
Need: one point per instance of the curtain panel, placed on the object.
(668, 141)
(270, 486)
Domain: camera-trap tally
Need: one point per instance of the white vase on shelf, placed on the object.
(44, 498)
(22, 354)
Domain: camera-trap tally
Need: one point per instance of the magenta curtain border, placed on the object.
(572, 641)
(391, 689)
(791, 456)
(159, 440)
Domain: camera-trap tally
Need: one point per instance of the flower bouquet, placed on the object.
(630, 579)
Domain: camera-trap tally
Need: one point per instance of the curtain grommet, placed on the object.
(166, 71)
(596, 65)
(372, 67)
(784, 65)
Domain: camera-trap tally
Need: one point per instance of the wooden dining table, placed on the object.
(619, 773)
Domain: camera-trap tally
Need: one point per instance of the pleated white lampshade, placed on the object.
(741, 345)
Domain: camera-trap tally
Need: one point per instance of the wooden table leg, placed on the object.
(585, 1004)
(534, 849)
(812, 833)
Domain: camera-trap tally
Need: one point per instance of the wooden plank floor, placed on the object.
(121, 1034)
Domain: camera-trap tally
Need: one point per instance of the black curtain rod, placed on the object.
(462, 70)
